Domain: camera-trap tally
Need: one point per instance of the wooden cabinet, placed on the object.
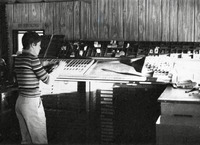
(179, 119)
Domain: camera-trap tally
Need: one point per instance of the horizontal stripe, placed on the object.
(29, 72)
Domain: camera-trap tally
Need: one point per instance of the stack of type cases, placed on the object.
(106, 115)
(66, 117)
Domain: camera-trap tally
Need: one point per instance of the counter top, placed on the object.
(171, 94)
(113, 71)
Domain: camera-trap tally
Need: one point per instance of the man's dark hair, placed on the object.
(30, 37)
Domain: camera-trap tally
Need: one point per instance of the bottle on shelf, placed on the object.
(127, 49)
(156, 51)
(85, 49)
(98, 52)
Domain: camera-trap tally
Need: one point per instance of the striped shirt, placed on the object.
(29, 72)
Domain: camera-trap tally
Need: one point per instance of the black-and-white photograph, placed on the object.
(96, 72)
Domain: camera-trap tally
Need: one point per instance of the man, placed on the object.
(29, 107)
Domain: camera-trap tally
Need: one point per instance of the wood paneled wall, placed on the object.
(55, 17)
(146, 20)
(131, 20)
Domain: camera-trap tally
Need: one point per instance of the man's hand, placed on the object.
(49, 66)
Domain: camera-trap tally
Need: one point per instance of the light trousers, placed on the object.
(32, 120)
